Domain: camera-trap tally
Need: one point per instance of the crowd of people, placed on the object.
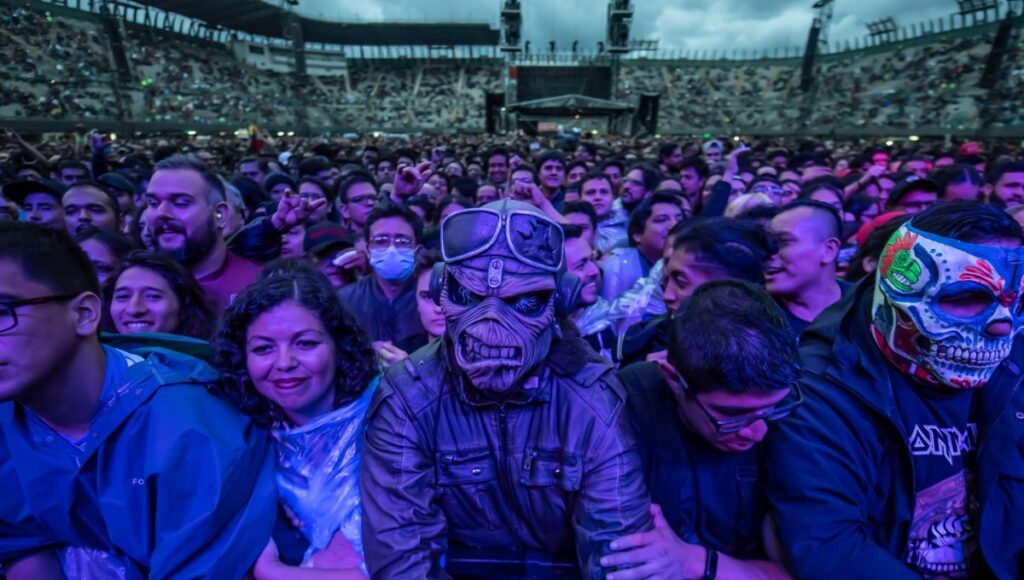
(470, 356)
(58, 67)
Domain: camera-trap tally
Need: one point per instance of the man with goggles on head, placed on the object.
(700, 417)
(502, 447)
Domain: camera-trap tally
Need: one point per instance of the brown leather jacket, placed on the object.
(555, 470)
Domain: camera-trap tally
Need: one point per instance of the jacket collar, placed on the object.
(568, 357)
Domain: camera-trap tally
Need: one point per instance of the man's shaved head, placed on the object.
(821, 217)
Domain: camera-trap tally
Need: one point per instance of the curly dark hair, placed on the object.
(356, 362)
(195, 318)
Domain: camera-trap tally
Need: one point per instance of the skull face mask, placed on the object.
(498, 293)
(941, 307)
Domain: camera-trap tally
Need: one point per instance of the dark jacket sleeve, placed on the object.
(823, 461)
(613, 500)
(258, 240)
(99, 163)
(717, 200)
(403, 527)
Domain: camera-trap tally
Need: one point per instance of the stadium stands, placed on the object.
(59, 65)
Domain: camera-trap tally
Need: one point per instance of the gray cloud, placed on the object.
(676, 24)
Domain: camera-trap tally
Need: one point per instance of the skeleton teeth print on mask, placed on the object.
(498, 292)
(936, 302)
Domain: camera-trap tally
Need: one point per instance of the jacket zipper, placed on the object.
(505, 469)
(977, 467)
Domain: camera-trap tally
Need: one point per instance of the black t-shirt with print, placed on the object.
(942, 438)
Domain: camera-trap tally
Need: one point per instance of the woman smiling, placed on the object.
(153, 293)
(290, 357)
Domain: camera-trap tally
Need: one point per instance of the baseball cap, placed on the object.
(712, 144)
(909, 184)
(970, 149)
(326, 236)
(313, 166)
(866, 229)
(17, 191)
(116, 181)
(277, 178)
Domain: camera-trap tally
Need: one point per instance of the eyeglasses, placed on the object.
(9, 308)
(535, 240)
(382, 241)
(768, 189)
(369, 199)
(736, 424)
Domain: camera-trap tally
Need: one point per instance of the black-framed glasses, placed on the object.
(9, 308)
(368, 199)
(736, 424)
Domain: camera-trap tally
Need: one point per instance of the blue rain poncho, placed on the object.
(170, 481)
(318, 473)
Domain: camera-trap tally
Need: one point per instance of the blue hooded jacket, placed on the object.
(841, 480)
(170, 479)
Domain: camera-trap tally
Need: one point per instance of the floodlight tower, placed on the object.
(511, 45)
(620, 18)
(511, 26)
(817, 40)
(884, 29)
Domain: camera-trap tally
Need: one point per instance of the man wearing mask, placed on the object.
(384, 303)
(904, 460)
(502, 449)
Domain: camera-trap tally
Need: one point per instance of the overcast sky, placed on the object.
(676, 24)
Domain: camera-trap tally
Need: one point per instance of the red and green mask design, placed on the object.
(947, 311)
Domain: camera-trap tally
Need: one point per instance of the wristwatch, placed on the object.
(710, 565)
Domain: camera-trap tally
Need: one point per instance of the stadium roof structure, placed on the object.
(571, 104)
(265, 19)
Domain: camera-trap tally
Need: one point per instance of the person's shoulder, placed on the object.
(183, 396)
(417, 381)
(240, 263)
(647, 394)
(621, 253)
(642, 377)
(357, 288)
(589, 378)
